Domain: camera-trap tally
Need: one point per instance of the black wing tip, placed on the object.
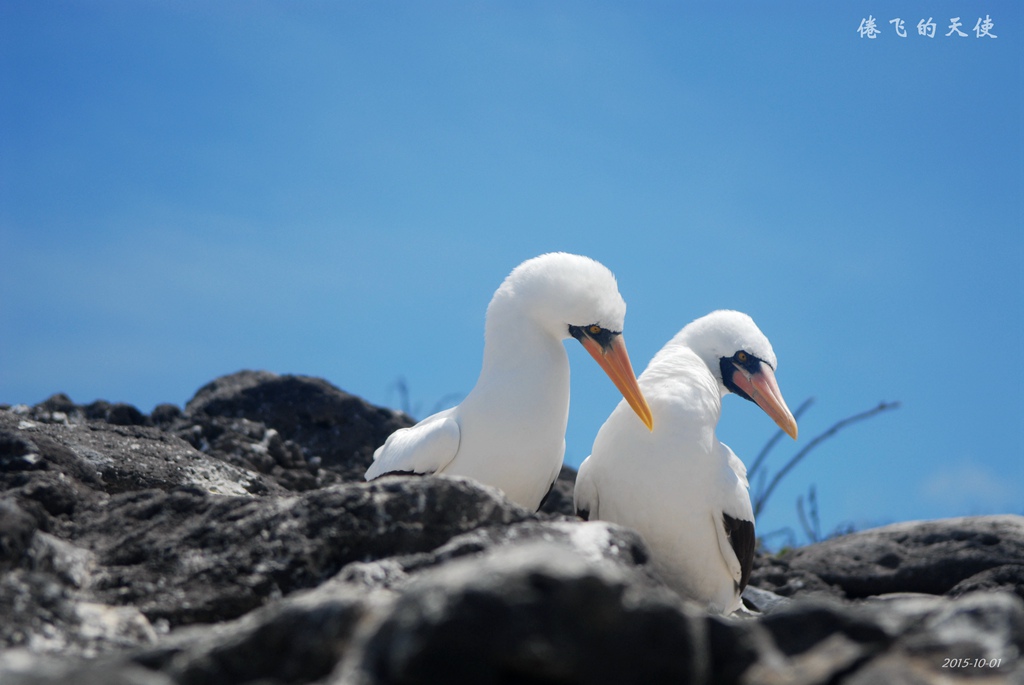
(398, 473)
(741, 536)
(544, 499)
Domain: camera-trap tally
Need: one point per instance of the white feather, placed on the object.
(673, 484)
(509, 432)
(427, 447)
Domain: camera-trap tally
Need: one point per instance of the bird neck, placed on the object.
(684, 379)
(525, 368)
(512, 339)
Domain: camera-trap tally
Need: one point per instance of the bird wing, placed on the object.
(734, 520)
(425, 448)
(738, 467)
(737, 536)
(584, 494)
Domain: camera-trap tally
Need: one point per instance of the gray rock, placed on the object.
(595, 540)
(299, 639)
(559, 501)
(223, 544)
(23, 667)
(763, 601)
(937, 639)
(812, 640)
(187, 556)
(903, 638)
(97, 515)
(978, 626)
(1008, 578)
(535, 612)
(48, 616)
(102, 458)
(338, 429)
(16, 531)
(932, 557)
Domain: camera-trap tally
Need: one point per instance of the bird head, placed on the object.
(742, 360)
(566, 295)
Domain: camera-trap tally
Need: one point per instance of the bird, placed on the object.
(509, 432)
(682, 489)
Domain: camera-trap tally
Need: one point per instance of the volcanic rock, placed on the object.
(950, 556)
(535, 612)
(335, 431)
(234, 541)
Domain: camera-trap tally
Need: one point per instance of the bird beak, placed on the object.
(762, 388)
(615, 362)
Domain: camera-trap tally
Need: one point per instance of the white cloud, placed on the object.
(969, 487)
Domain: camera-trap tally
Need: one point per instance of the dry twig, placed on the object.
(763, 494)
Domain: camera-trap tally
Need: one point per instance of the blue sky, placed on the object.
(337, 188)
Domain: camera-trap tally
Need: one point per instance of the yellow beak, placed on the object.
(615, 362)
(763, 389)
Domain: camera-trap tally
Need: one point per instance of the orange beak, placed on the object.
(615, 362)
(762, 388)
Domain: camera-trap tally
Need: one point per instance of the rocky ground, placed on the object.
(233, 541)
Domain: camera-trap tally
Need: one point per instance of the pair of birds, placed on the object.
(656, 465)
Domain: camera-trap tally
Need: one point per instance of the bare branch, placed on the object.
(402, 388)
(775, 438)
(763, 497)
(812, 505)
(808, 531)
(810, 522)
(785, 532)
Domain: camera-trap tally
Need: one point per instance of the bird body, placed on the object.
(681, 488)
(509, 432)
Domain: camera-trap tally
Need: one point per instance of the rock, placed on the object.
(22, 667)
(596, 540)
(235, 542)
(16, 532)
(340, 429)
(932, 557)
(762, 601)
(65, 462)
(96, 514)
(49, 616)
(814, 640)
(980, 635)
(977, 626)
(535, 612)
(118, 414)
(187, 556)
(898, 639)
(797, 627)
(559, 501)
(165, 414)
(299, 639)
(252, 446)
(1008, 577)
(776, 575)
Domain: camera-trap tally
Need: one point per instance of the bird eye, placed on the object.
(594, 329)
(741, 357)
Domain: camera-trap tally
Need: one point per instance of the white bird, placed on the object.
(509, 432)
(684, 491)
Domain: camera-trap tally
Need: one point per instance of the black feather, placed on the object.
(402, 473)
(546, 495)
(741, 536)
